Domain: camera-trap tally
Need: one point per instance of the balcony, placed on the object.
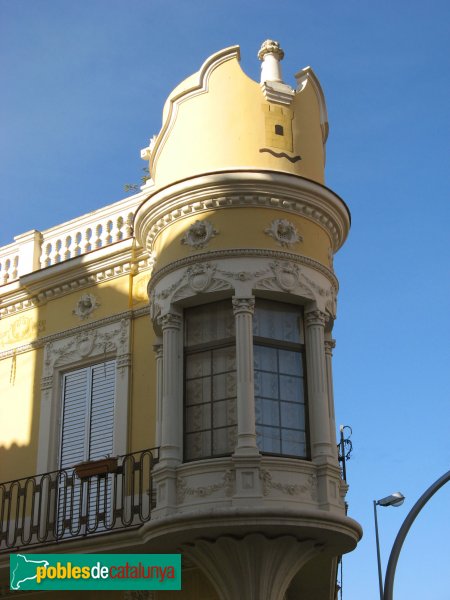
(90, 499)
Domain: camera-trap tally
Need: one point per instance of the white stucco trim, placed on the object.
(71, 352)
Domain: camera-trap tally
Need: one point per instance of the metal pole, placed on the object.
(396, 548)
(380, 575)
(344, 468)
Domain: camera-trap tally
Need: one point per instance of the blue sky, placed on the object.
(82, 90)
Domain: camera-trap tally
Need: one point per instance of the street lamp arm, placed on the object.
(396, 548)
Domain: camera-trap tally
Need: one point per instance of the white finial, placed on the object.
(270, 54)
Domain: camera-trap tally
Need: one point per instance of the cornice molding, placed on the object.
(38, 288)
(243, 188)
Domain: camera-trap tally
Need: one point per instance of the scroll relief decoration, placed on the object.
(284, 233)
(283, 276)
(92, 342)
(85, 306)
(21, 329)
(199, 234)
(290, 489)
(226, 483)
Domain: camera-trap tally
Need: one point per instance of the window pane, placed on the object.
(267, 412)
(292, 415)
(224, 440)
(291, 388)
(224, 386)
(198, 418)
(198, 391)
(224, 413)
(198, 445)
(293, 442)
(198, 365)
(290, 362)
(268, 439)
(278, 321)
(266, 385)
(265, 358)
(224, 360)
(209, 323)
(210, 381)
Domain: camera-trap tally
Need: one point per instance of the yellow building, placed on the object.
(166, 377)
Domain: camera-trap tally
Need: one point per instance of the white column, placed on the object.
(158, 349)
(246, 439)
(329, 345)
(317, 386)
(270, 54)
(29, 251)
(172, 401)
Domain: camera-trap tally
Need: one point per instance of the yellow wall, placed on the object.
(20, 379)
(143, 405)
(242, 228)
(21, 374)
(229, 125)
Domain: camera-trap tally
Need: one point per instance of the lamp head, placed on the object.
(395, 499)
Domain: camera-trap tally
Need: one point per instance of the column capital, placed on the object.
(243, 305)
(329, 346)
(170, 321)
(315, 317)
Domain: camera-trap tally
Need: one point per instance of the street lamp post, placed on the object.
(395, 499)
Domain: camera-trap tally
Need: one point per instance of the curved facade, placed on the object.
(242, 233)
(186, 333)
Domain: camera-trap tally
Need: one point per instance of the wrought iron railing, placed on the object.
(91, 498)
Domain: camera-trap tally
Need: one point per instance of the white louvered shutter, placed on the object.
(87, 434)
(101, 442)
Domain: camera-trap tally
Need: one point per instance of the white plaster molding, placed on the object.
(42, 341)
(199, 234)
(283, 232)
(277, 93)
(70, 351)
(242, 253)
(266, 565)
(200, 86)
(86, 306)
(85, 271)
(233, 189)
(241, 276)
(185, 491)
(309, 486)
(307, 76)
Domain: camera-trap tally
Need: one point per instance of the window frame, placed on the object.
(69, 351)
(256, 341)
(210, 346)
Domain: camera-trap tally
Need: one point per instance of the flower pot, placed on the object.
(103, 466)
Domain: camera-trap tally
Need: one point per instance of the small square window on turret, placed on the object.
(279, 130)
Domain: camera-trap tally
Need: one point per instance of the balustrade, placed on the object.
(85, 499)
